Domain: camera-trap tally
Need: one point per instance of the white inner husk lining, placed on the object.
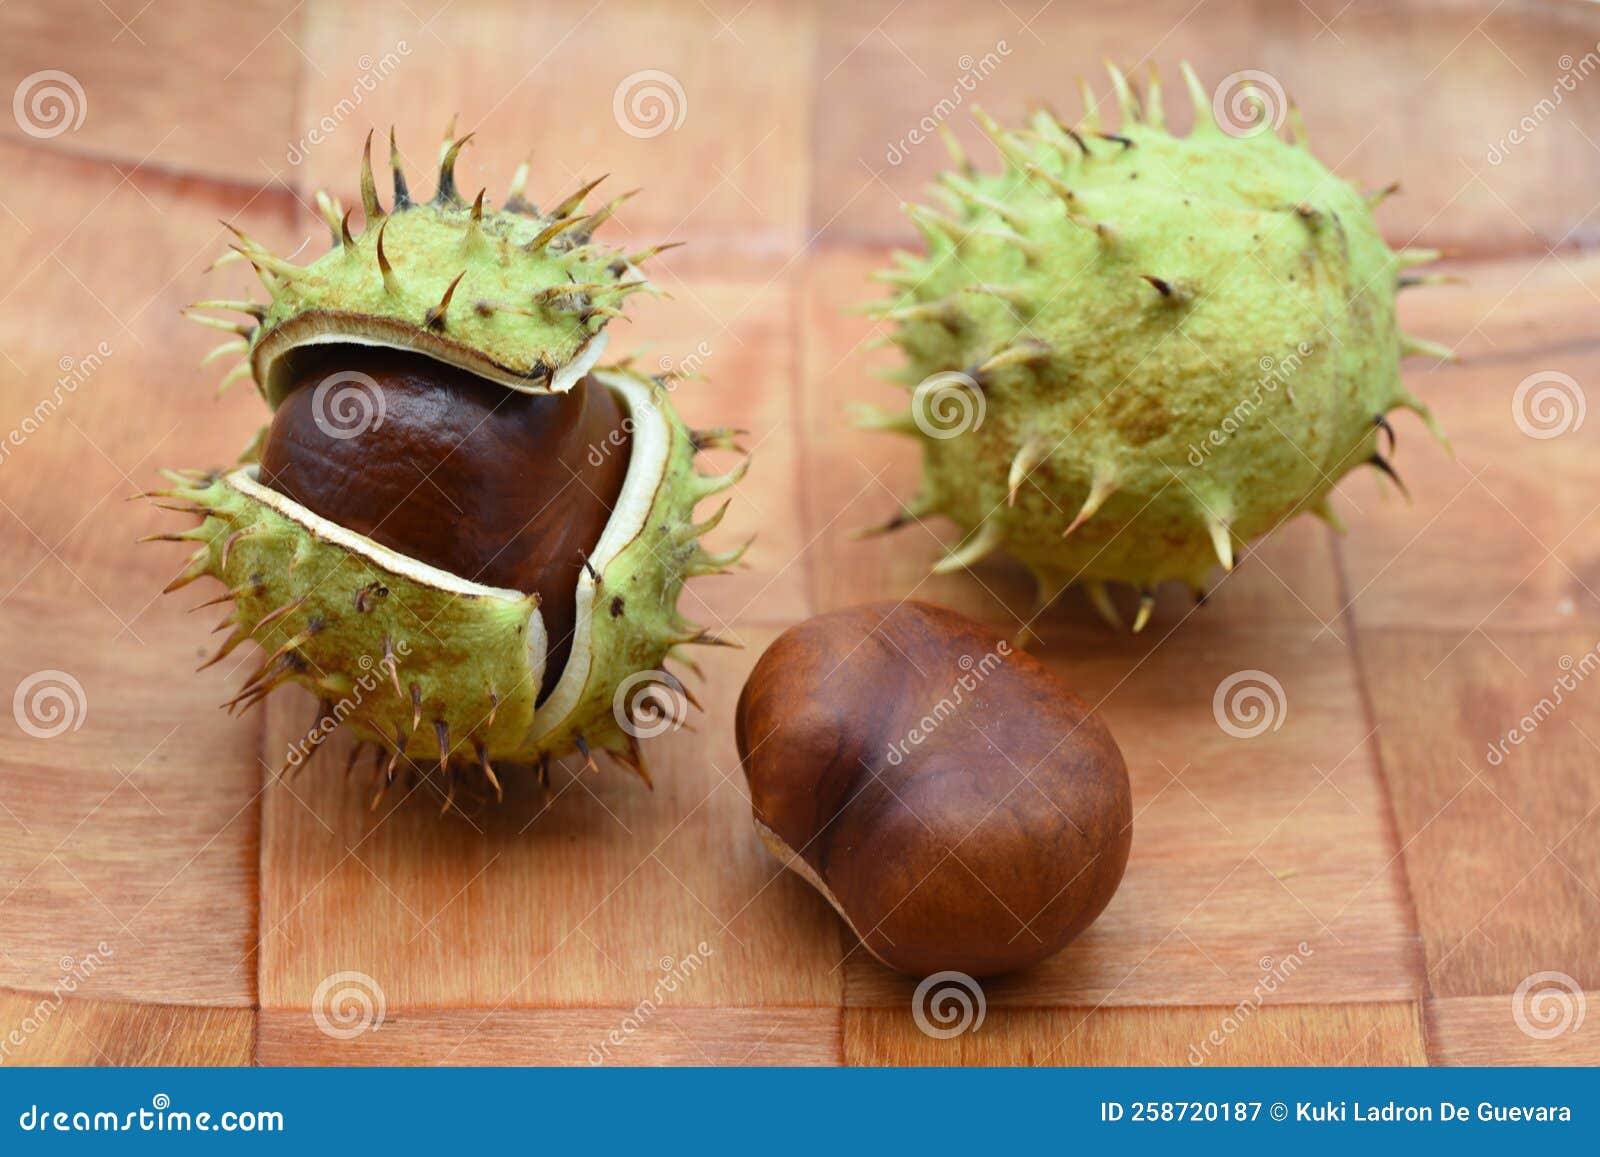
(314, 329)
(647, 468)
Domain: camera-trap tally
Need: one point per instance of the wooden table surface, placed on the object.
(165, 899)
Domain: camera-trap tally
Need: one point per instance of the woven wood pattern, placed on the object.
(164, 898)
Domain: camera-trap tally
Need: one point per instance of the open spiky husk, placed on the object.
(432, 668)
(449, 670)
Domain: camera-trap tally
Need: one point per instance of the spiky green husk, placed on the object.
(1175, 343)
(515, 296)
(441, 670)
(433, 668)
(344, 619)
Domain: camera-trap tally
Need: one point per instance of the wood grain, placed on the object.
(1501, 856)
(563, 1036)
(1489, 539)
(592, 901)
(1344, 1034)
(69, 1031)
(138, 825)
(1483, 1030)
(166, 87)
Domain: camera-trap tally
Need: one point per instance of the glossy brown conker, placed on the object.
(954, 802)
(506, 489)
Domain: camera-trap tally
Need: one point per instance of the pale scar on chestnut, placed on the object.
(957, 805)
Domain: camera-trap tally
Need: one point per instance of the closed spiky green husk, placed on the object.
(1131, 352)
(430, 666)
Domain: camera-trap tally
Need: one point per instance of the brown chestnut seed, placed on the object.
(504, 488)
(952, 800)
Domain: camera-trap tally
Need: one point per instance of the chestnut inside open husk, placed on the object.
(475, 557)
(953, 801)
(463, 474)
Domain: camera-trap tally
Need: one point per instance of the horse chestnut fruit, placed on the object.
(459, 473)
(461, 533)
(952, 800)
